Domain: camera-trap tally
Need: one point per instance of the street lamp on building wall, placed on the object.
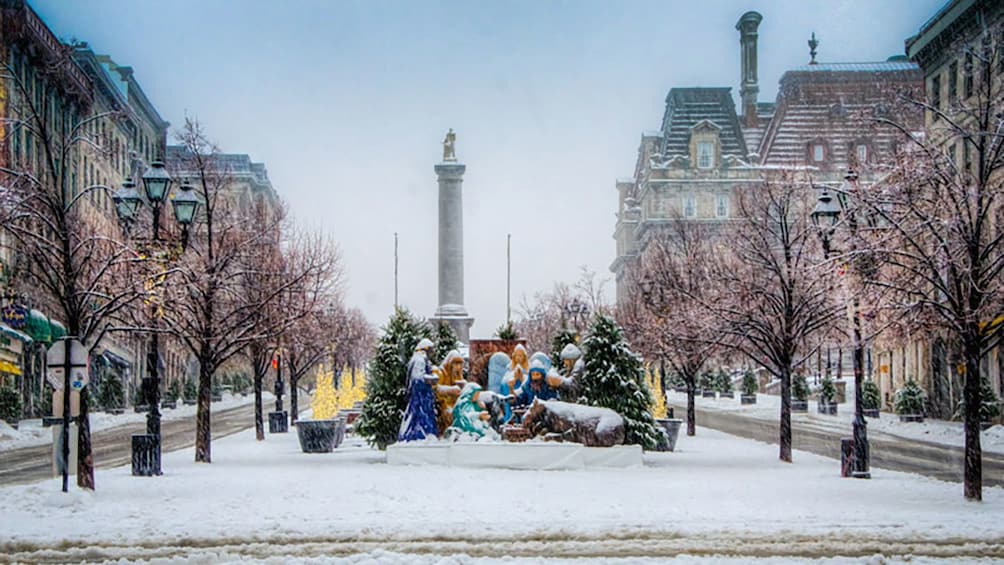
(128, 202)
(826, 217)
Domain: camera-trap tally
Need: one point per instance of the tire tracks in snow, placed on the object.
(615, 545)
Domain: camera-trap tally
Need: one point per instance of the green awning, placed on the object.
(14, 334)
(38, 327)
(58, 330)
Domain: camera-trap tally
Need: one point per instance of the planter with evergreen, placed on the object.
(614, 378)
(172, 395)
(909, 402)
(828, 397)
(215, 391)
(10, 405)
(871, 399)
(799, 394)
(190, 393)
(111, 395)
(750, 388)
(723, 384)
(139, 402)
(706, 384)
(990, 407)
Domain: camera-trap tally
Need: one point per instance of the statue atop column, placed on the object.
(449, 147)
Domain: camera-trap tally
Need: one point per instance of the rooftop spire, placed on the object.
(813, 43)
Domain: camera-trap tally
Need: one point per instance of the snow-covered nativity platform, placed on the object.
(528, 455)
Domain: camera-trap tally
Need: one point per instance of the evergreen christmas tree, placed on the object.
(111, 395)
(563, 337)
(386, 385)
(827, 391)
(723, 382)
(10, 405)
(191, 392)
(446, 341)
(706, 381)
(507, 331)
(799, 388)
(990, 407)
(909, 399)
(871, 398)
(615, 378)
(750, 386)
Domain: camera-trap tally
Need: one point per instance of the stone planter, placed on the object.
(672, 427)
(870, 412)
(190, 402)
(708, 393)
(169, 404)
(984, 426)
(320, 436)
(216, 398)
(141, 408)
(827, 408)
(727, 395)
(115, 411)
(911, 417)
(747, 399)
(799, 405)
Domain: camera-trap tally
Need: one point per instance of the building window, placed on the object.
(935, 96)
(689, 206)
(818, 152)
(862, 153)
(967, 71)
(953, 82)
(722, 206)
(705, 154)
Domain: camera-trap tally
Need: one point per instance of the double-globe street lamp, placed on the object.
(577, 309)
(826, 217)
(156, 187)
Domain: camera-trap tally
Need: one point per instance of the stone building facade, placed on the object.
(822, 122)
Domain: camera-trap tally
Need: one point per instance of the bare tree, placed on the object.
(772, 297)
(941, 219)
(74, 260)
(676, 283)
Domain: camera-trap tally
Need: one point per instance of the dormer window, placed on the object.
(705, 154)
(818, 152)
(704, 145)
(862, 152)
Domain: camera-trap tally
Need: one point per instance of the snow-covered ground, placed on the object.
(768, 407)
(718, 498)
(30, 433)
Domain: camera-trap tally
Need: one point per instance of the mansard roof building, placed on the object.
(826, 118)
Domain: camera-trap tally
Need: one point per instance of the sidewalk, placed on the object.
(932, 448)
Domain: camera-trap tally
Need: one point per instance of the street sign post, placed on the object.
(69, 356)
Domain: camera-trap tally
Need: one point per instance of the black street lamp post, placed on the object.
(826, 216)
(146, 448)
(576, 309)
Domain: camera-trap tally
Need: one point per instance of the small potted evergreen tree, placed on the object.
(173, 395)
(215, 391)
(909, 402)
(828, 397)
(139, 402)
(799, 394)
(706, 382)
(723, 382)
(750, 388)
(190, 392)
(990, 406)
(10, 406)
(871, 399)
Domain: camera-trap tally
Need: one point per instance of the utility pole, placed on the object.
(508, 278)
(395, 272)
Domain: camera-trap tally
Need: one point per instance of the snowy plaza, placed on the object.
(716, 499)
(439, 282)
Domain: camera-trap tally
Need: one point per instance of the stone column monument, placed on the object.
(451, 308)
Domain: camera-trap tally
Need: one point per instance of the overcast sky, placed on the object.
(347, 103)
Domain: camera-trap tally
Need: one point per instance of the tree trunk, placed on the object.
(973, 466)
(259, 425)
(203, 436)
(785, 437)
(293, 398)
(691, 410)
(85, 458)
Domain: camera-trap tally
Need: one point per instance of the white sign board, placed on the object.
(79, 377)
(56, 355)
(55, 376)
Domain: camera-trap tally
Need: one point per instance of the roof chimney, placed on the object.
(748, 89)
